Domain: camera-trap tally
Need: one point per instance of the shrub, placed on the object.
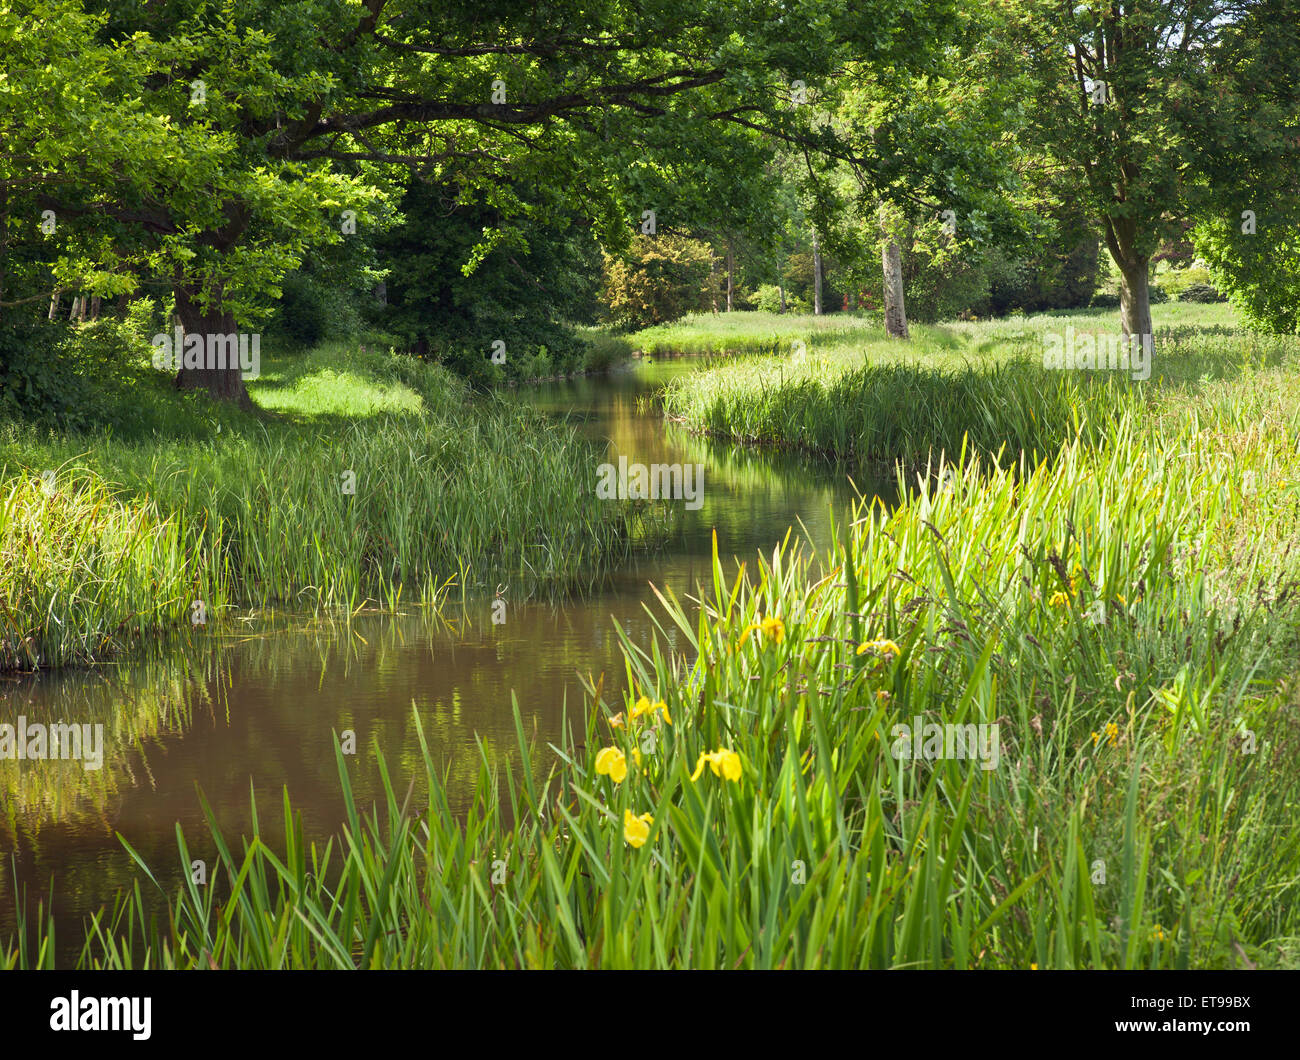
(657, 280)
(37, 383)
(1201, 292)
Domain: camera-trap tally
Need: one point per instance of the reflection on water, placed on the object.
(256, 708)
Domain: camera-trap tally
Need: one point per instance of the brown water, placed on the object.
(256, 710)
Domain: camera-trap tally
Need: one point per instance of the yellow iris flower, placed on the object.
(636, 830)
(612, 762)
(644, 706)
(724, 763)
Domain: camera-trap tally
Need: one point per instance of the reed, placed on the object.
(378, 479)
(1124, 614)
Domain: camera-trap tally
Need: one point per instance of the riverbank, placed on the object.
(361, 475)
(1037, 716)
(848, 393)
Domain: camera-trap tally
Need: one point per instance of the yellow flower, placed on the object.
(1094, 739)
(636, 830)
(636, 755)
(724, 763)
(612, 761)
(644, 706)
(881, 647)
(1033, 967)
(1158, 933)
(1059, 599)
(771, 627)
(883, 696)
(1121, 599)
(1112, 732)
(616, 722)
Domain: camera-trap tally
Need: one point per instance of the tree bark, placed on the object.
(781, 290)
(731, 273)
(891, 263)
(1134, 288)
(1135, 299)
(54, 301)
(225, 384)
(817, 275)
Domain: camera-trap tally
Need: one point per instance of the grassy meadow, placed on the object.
(1116, 617)
(847, 391)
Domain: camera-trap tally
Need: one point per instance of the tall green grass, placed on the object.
(379, 478)
(864, 397)
(1124, 613)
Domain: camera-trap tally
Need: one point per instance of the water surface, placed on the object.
(256, 708)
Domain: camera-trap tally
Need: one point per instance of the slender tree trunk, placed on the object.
(54, 301)
(731, 273)
(1135, 300)
(817, 275)
(781, 290)
(95, 303)
(225, 384)
(1134, 288)
(891, 263)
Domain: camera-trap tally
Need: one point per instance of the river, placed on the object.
(256, 708)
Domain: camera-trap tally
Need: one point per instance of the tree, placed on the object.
(272, 121)
(1150, 102)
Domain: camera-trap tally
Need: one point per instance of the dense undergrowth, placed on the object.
(1120, 619)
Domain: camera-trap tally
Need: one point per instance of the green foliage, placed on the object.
(1259, 271)
(446, 490)
(1200, 292)
(1119, 611)
(658, 279)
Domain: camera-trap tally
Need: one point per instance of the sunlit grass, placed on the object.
(381, 478)
(1125, 613)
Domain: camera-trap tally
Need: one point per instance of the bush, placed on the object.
(37, 383)
(1101, 300)
(767, 298)
(1201, 292)
(1175, 281)
(657, 280)
(1158, 295)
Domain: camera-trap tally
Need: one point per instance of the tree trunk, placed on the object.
(817, 275)
(731, 273)
(781, 289)
(1134, 291)
(1134, 299)
(891, 263)
(225, 384)
(95, 304)
(54, 301)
